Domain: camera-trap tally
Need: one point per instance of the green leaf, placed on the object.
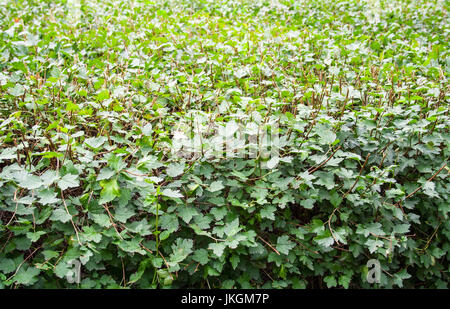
(62, 269)
(131, 246)
(169, 222)
(374, 244)
(219, 212)
(400, 277)
(8, 153)
(393, 193)
(101, 219)
(172, 193)
(61, 215)
(373, 228)
(324, 239)
(330, 281)
(325, 179)
(47, 196)
(217, 248)
(105, 173)
(268, 212)
(17, 90)
(175, 169)
(180, 250)
(34, 236)
(68, 181)
(28, 181)
(326, 136)
(110, 191)
(429, 189)
(284, 245)
(335, 198)
(216, 186)
(308, 203)
(234, 259)
(123, 213)
(232, 228)
(187, 212)
(345, 280)
(316, 226)
(27, 275)
(7, 265)
(201, 256)
(103, 95)
(273, 162)
(95, 142)
(49, 177)
(401, 228)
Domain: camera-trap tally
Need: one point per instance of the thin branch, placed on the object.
(430, 179)
(20, 265)
(15, 210)
(343, 197)
(269, 245)
(357, 178)
(71, 220)
(324, 162)
(167, 265)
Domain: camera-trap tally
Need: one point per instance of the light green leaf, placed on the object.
(27, 275)
(175, 169)
(330, 281)
(172, 193)
(201, 256)
(308, 203)
(110, 191)
(273, 162)
(61, 215)
(217, 248)
(284, 245)
(68, 181)
(101, 219)
(216, 186)
(232, 228)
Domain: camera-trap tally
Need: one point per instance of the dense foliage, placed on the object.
(90, 95)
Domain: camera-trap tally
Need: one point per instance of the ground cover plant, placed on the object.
(92, 94)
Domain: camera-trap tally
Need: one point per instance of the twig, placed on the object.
(123, 274)
(430, 179)
(15, 210)
(329, 225)
(269, 245)
(343, 197)
(165, 262)
(146, 249)
(112, 221)
(137, 175)
(324, 162)
(71, 220)
(17, 270)
(313, 251)
(357, 178)
(429, 240)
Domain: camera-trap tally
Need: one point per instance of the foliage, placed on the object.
(358, 90)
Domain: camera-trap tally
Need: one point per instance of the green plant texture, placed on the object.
(357, 92)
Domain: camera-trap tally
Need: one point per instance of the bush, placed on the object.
(88, 170)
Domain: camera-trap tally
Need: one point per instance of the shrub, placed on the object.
(359, 171)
